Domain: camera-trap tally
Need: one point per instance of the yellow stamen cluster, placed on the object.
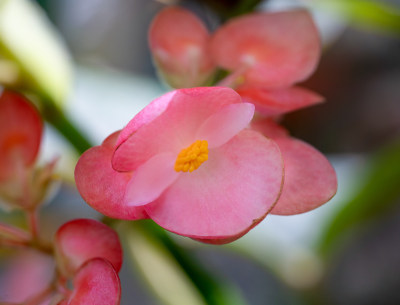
(192, 157)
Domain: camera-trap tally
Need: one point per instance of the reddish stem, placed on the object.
(14, 233)
(32, 218)
(233, 79)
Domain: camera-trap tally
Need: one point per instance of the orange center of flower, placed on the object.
(190, 158)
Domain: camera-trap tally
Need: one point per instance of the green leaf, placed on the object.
(378, 195)
(372, 14)
(173, 274)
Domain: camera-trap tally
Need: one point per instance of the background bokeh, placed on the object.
(346, 252)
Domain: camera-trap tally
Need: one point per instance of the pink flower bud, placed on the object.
(179, 42)
(80, 240)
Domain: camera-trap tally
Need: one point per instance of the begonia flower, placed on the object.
(310, 179)
(80, 240)
(179, 42)
(189, 163)
(21, 184)
(272, 50)
(264, 53)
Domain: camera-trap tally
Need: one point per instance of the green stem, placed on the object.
(61, 122)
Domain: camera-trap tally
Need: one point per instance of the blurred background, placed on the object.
(347, 251)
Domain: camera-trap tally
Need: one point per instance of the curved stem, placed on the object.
(62, 123)
(32, 219)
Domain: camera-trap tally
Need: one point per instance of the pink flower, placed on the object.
(265, 54)
(89, 253)
(187, 162)
(80, 240)
(180, 45)
(20, 134)
(273, 50)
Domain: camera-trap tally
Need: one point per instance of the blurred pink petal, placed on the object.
(26, 275)
(179, 42)
(80, 240)
(276, 49)
(20, 133)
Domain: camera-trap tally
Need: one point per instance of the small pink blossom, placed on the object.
(80, 240)
(264, 53)
(187, 162)
(22, 185)
(90, 254)
(20, 134)
(273, 50)
(179, 42)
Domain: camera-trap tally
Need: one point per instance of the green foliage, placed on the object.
(163, 258)
(372, 14)
(377, 196)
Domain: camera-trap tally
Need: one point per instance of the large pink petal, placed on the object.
(272, 102)
(20, 132)
(179, 42)
(279, 48)
(310, 179)
(220, 127)
(80, 240)
(96, 283)
(228, 194)
(101, 186)
(175, 128)
(151, 179)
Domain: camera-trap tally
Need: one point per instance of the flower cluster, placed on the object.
(194, 160)
(85, 253)
(264, 55)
